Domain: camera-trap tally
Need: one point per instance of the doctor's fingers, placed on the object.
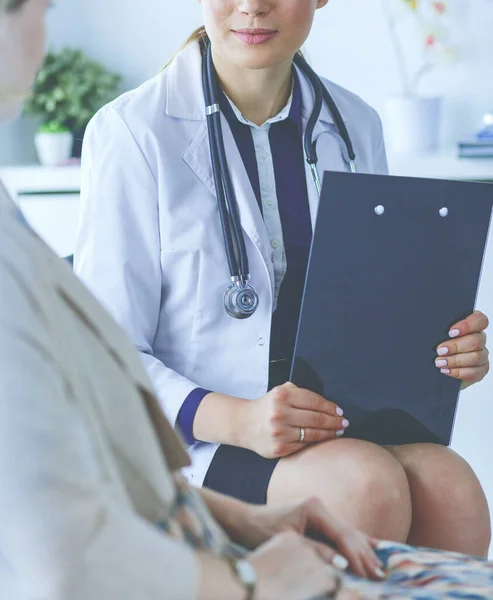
(315, 420)
(311, 436)
(474, 342)
(306, 400)
(465, 359)
(474, 323)
(467, 374)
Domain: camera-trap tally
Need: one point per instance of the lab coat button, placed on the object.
(275, 244)
(261, 342)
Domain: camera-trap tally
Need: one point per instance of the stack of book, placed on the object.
(476, 148)
(480, 145)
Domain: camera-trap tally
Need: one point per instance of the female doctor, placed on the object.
(156, 247)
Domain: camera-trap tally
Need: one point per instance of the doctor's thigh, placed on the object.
(421, 493)
(360, 482)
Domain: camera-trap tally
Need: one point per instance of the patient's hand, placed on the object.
(312, 518)
(465, 356)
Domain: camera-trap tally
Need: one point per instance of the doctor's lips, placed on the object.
(255, 37)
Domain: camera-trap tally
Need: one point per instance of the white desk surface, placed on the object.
(37, 179)
(442, 164)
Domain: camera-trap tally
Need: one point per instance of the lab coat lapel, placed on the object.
(198, 159)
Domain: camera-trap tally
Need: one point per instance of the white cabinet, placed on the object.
(443, 164)
(54, 218)
(49, 199)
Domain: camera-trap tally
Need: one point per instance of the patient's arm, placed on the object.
(251, 526)
(230, 513)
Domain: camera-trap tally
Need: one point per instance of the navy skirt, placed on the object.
(241, 473)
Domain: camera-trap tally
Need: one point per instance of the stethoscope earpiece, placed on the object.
(241, 300)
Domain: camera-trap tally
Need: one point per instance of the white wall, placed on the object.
(473, 437)
(350, 45)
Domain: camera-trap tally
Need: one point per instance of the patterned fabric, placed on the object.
(190, 521)
(412, 573)
(423, 574)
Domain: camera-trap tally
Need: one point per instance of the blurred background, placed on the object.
(352, 44)
(425, 65)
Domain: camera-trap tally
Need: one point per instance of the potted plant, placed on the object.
(413, 119)
(53, 143)
(69, 90)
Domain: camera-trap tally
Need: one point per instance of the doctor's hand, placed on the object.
(288, 419)
(465, 356)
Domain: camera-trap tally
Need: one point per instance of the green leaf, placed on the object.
(70, 89)
(53, 127)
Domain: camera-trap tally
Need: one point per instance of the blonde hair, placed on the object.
(199, 35)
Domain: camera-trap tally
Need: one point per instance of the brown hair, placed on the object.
(200, 34)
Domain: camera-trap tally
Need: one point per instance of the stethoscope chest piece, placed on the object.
(241, 300)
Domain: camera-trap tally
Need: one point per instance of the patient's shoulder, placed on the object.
(10, 224)
(21, 262)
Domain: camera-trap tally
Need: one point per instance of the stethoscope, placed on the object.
(241, 300)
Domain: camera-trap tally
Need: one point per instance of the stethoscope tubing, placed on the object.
(327, 98)
(229, 212)
(309, 144)
(221, 200)
(241, 269)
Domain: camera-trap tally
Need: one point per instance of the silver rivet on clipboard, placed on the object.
(379, 210)
(443, 212)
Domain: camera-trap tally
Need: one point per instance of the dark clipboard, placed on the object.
(381, 293)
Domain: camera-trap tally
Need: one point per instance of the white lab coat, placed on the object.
(150, 244)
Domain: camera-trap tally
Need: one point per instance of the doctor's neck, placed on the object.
(259, 94)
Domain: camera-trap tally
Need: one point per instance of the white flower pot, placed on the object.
(53, 148)
(412, 123)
